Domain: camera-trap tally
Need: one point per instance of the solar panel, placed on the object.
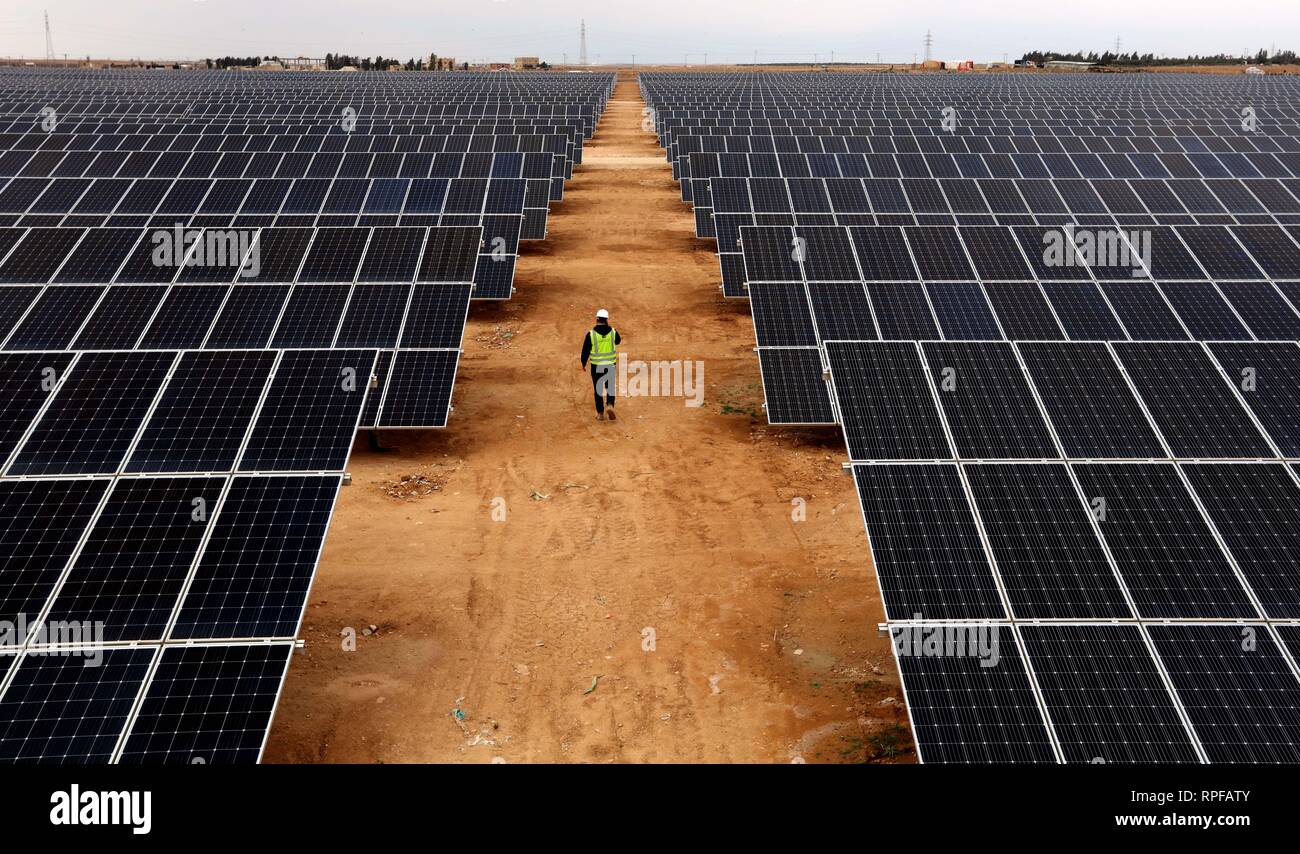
(1047, 552)
(1142, 308)
(793, 386)
(1266, 377)
(120, 318)
(258, 563)
(41, 523)
(1169, 559)
(964, 711)
(939, 254)
(200, 422)
(310, 412)
(903, 311)
(885, 403)
(311, 316)
(450, 255)
(52, 322)
(925, 543)
(209, 704)
(184, 317)
(1092, 409)
(247, 317)
(335, 255)
(1023, 312)
(58, 709)
(374, 316)
(1241, 696)
(436, 316)
(782, 317)
(1205, 312)
(1255, 507)
(1105, 695)
(418, 390)
(393, 255)
(89, 426)
(1083, 311)
(987, 402)
(963, 311)
(1190, 402)
(129, 574)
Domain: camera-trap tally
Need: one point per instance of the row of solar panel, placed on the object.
(203, 703)
(205, 316)
(270, 196)
(152, 164)
(105, 413)
(1084, 541)
(339, 255)
(143, 559)
(1053, 165)
(1002, 253)
(520, 156)
(93, 123)
(904, 400)
(791, 314)
(1146, 147)
(684, 136)
(1224, 693)
(185, 107)
(926, 201)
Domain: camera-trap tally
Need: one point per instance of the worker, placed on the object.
(600, 345)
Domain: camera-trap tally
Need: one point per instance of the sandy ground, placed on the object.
(648, 596)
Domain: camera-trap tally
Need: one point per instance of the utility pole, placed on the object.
(929, 44)
(49, 40)
(582, 43)
(1118, 43)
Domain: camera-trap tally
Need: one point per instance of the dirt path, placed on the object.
(676, 520)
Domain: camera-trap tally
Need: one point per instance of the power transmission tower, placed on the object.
(929, 43)
(582, 43)
(1118, 44)
(49, 40)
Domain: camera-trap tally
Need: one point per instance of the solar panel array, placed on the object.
(1056, 318)
(175, 431)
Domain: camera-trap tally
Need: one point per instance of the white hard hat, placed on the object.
(603, 313)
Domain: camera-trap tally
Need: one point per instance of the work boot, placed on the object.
(611, 414)
(600, 416)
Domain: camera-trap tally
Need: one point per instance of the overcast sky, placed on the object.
(653, 30)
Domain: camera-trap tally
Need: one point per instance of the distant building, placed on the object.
(1065, 63)
(957, 65)
(442, 63)
(523, 63)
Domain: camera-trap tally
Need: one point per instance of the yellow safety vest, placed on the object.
(603, 348)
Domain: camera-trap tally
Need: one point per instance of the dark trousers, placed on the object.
(604, 380)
